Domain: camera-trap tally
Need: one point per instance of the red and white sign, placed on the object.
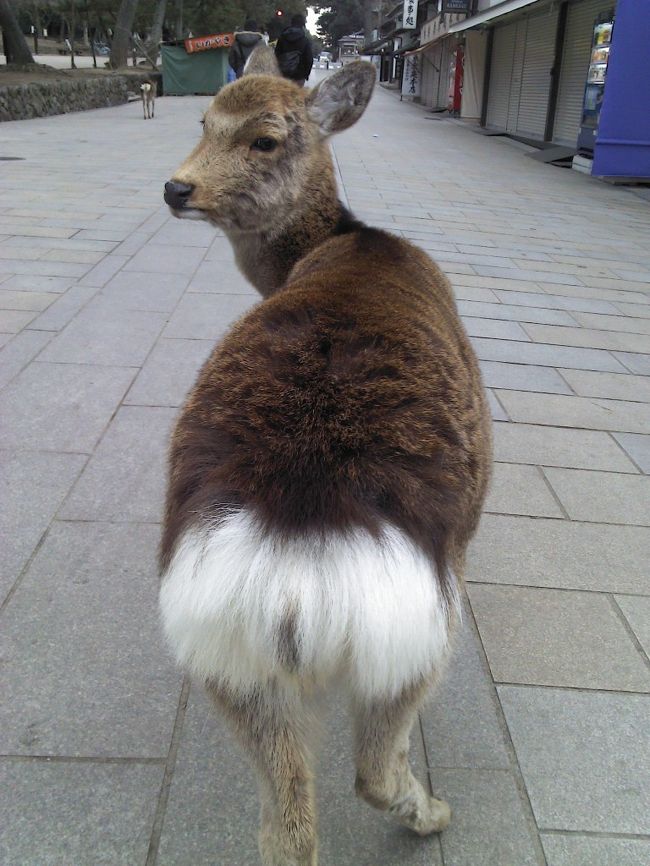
(206, 43)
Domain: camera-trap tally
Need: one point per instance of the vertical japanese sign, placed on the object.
(410, 14)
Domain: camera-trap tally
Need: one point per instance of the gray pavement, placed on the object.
(539, 735)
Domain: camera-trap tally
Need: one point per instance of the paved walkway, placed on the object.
(539, 736)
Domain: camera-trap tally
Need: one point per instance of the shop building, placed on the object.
(571, 74)
(547, 77)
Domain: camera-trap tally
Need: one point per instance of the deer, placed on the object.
(148, 96)
(328, 468)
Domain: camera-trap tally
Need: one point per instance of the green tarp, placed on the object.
(204, 72)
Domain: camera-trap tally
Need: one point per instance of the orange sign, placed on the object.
(205, 43)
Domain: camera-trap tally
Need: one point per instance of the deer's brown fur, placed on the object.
(347, 405)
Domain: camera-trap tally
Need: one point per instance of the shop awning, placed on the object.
(424, 47)
(482, 18)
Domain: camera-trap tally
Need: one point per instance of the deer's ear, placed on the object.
(262, 62)
(341, 99)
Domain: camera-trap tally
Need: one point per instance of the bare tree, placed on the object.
(16, 46)
(123, 30)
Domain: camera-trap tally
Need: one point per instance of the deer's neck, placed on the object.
(267, 259)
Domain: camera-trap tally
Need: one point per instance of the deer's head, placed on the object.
(263, 147)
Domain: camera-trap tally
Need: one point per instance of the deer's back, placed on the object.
(351, 398)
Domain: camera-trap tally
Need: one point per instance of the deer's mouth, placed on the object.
(189, 213)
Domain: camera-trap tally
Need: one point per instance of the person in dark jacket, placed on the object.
(293, 51)
(245, 41)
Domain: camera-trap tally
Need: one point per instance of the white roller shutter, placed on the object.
(443, 81)
(536, 74)
(503, 51)
(575, 63)
(516, 75)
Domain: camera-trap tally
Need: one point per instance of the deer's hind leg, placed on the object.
(272, 728)
(384, 778)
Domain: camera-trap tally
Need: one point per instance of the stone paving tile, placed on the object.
(19, 351)
(130, 290)
(587, 337)
(559, 446)
(585, 757)
(169, 372)
(614, 295)
(185, 233)
(102, 273)
(638, 448)
(520, 490)
(104, 334)
(602, 496)
(523, 377)
(37, 301)
(45, 269)
(471, 293)
(64, 309)
(212, 814)
(559, 553)
(496, 409)
(634, 363)
(576, 850)
(61, 813)
(85, 670)
(222, 278)
(527, 274)
(489, 824)
(60, 407)
(556, 638)
(608, 385)
(546, 356)
(460, 721)
(166, 259)
(31, 283)
(614, 323)
(13, 321)
(32, 486)
(553, 302)
(476, 327)
(125, 478)
(198, 317)
(513, 313)
(582, 412)
(637, 613)
(636, 310)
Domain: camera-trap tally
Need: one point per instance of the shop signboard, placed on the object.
(206, 43)
(410, 17)
(455, 6)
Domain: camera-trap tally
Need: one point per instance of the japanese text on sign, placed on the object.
(205, 43)
(410, 14)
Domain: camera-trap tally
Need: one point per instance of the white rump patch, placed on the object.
(369, 609)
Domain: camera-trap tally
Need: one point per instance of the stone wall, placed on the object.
(42, 98)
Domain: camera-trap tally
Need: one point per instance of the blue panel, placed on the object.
(623, 142)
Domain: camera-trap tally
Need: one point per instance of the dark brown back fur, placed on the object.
(349, 398)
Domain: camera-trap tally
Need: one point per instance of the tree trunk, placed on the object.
(368, 19)
(37, 26)
(16, 47)
(122, 35)
(73, 27)
(155, 37)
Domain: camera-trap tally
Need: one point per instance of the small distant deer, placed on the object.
(329, 466)
(148, 94)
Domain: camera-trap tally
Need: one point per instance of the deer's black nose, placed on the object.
(177, 194)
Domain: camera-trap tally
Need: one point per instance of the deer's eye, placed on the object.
(202, 122)
(264, 144)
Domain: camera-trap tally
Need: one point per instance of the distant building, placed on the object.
(350, 47)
